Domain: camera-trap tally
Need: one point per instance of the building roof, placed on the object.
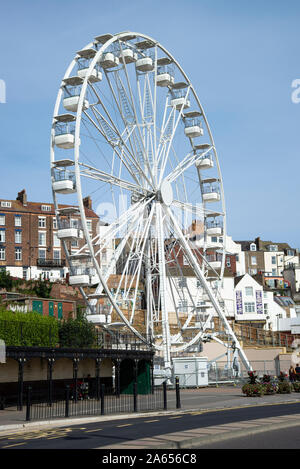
(262, 245)
(36, 208)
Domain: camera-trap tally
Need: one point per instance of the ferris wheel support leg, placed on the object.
(162, 280)
(213, 299)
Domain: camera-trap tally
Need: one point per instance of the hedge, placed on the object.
(30, 329)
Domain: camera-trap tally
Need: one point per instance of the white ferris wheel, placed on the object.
(128, 129)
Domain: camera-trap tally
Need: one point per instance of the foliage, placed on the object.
(284, 387)
(282, 377)
(28, 329)
(77, 332)
(270, 387)
(6, 280)
(253, 390)
(296, 386)
(42, 288)
(252, 377)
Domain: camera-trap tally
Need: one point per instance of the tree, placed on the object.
(77, 332)
(42, 288)
(6, 280)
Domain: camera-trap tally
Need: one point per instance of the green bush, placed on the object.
(296, 386)
(284, 387)
(253, 390)
(77, 332)
(28, 329)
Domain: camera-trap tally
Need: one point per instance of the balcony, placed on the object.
(51, 262)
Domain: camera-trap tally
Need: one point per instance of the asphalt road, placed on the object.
(111, 432)
(284, 438)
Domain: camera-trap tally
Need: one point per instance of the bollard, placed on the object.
(165, 395)
(135, 397)
(102, 398)
(28, 404)
(67, 401)
(178, 404)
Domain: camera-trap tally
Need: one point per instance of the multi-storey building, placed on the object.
(267, 256)
(29, 244)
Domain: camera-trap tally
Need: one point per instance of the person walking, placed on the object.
(297, 372)
(292, 374)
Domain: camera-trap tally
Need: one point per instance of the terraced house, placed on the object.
(29, 242)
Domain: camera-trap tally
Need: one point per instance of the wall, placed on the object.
(36, 369)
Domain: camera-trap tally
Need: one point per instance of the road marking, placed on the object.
(16, 444)
(125, 425)
(95, 430)
(179, 417)
(150, 421)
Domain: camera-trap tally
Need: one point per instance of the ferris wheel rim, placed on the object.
(77, 145)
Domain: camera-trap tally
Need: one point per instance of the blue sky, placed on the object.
(241, 57)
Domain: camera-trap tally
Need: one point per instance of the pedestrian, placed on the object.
(292, 374)
(297, 370)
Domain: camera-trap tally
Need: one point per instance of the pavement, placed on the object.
(193, 401)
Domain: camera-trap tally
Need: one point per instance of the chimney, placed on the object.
(87, 202)
(22, 197)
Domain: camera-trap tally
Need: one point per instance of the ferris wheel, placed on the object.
(129, 130)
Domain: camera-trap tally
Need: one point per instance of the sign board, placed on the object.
(239, 302)
(259, 304)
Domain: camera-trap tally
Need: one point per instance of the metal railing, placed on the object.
(41, 405)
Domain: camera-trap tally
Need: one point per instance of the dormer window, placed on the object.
(273, 247)
(252, 247)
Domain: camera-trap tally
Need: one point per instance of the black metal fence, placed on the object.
(71, 403)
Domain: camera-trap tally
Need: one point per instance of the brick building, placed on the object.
(29, 245)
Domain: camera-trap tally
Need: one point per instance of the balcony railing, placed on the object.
(51, 262)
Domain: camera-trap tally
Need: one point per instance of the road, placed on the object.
(111, 433)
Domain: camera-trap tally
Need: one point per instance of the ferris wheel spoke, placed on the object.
(110, 131)
(142, 153)
(94, 173)
(186, 163)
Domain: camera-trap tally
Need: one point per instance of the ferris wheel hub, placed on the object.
(166, 193)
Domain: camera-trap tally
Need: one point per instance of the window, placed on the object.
(74, 243)
(228, 263)
(273, 247)
(2, 235)
(185, 261)
(253, 260)
(42, 238)
(252, 247)
(274, 260)
(2, 254)
(56, 254)
(42, 253)
(182, 282)
(274, 272)
(182, 306)
(46, 208)
(74, 223)
(18, 220)
(56, 240)
(89, 225)
(214, 239)
(2, 219)
(290, 252)
(249, 291)
(265, 308)
(5, 204)
(104, 256)
(237, 258)
(249, 307)
(42, 222)
(252, 271)
(54, 224)
(18, 236)
(18, 254)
